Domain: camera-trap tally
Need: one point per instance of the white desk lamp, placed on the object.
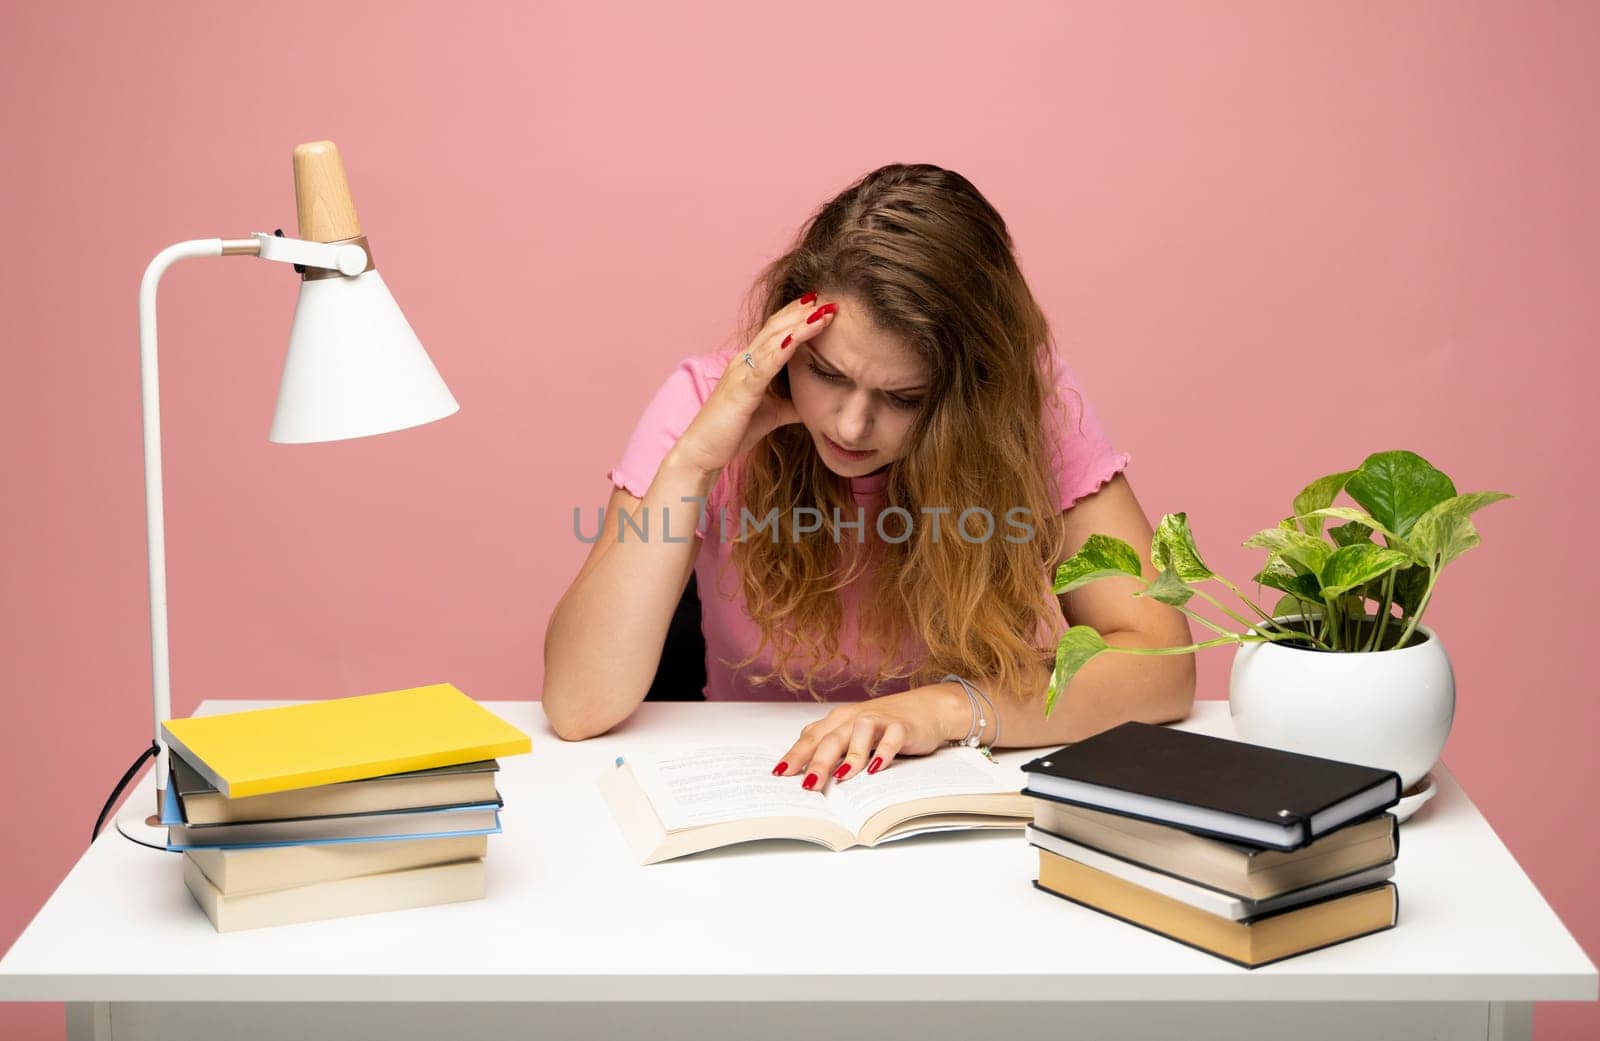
(354, 369)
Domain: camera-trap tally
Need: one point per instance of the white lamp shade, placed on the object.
(354, 368)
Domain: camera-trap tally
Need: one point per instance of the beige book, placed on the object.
(1249, 943)
(1224, 905)
(1245, 871)
(702, 798)
(456, 785)
(284, 867)
(391, 891)
(401, 824)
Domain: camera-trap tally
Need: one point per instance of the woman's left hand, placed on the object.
(868, 735)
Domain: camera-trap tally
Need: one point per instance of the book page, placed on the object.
(949, 771)
(711, 784)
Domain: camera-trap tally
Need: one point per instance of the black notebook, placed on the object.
(1212, 786)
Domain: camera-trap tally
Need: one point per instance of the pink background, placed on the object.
(1272, 239)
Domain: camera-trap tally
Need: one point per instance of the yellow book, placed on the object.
(344, 739)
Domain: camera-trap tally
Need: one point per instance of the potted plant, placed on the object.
(1342, 667)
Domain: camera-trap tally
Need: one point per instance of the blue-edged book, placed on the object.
(382, 826)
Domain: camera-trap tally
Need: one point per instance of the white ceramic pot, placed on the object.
(1390, 709)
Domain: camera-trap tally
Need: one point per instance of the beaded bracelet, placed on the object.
(993, 714)
(975, 726)
(975, 729)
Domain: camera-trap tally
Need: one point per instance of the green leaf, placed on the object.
(1351, 534)
(1101, 557)
(1352, 566)
(1288, 605)
(1173, 549)
(1316, 495)
(1444, 533)
(1447, 537)
(1368, 520)
(1078, 645)
(1308, 551)
(1409, 586)
(1355, 516)
(1399, 487)
(1169, 589)
(1276, 567)
(1308, 587)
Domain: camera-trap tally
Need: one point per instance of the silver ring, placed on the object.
(749, 359)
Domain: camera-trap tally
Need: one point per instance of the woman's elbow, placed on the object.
(565, 710)
(567, 719)
(1179, 689)
(576, 733)
(568, 712)
(575, 714)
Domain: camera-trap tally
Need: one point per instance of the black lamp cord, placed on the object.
(153, 750)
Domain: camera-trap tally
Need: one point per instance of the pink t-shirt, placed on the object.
(1083, 454)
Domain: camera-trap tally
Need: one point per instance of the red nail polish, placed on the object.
(819, 312)
(844, 768)
(780, 769)
(810, 781)
(808, 298)
(785, 342)
(877, 762)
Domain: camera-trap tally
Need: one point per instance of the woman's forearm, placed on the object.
(605, 636)
(1111, 689)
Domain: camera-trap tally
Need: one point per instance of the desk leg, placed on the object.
(1510, 1021)
(88, 1021)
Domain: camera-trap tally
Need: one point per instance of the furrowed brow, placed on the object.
(888, 390)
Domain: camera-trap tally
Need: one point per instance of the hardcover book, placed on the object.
(1250, 943)
(439, 786)
(1212, 786)
(362, 827)
(277, 749)
(1248, 872)
(235, 871)
(391, 891)
(1212, 901)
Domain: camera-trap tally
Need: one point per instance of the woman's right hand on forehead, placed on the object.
(742, 408)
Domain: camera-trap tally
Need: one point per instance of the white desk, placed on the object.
(939, 936)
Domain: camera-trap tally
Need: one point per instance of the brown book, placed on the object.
(391, 891)
(1245, 871)
(235, 871)
(456, 785)
(1251, 942)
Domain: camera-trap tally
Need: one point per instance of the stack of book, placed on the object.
(1249, 853)
(334, 808)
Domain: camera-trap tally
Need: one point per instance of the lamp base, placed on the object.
(135, 819)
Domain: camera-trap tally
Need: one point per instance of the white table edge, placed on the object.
(1270, 983)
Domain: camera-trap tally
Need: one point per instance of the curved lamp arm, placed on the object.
(346, 259)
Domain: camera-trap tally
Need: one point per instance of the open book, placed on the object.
(669, 805)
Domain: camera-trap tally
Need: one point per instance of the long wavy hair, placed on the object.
(932, 263)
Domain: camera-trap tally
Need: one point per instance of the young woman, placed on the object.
(880, 485)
